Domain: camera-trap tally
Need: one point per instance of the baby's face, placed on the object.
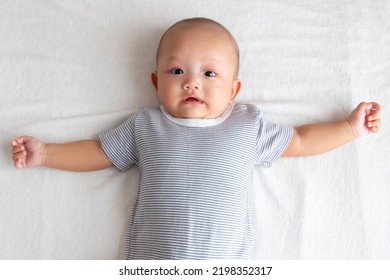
(196, 72)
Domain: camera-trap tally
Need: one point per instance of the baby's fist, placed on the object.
(27, 152)
(365, 119)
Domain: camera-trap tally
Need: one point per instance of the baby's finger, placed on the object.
(374, 115)
(18, 156)
(374, 129)
(24, 164)
(375, 106)
(17, 149)
(363, 107)
(19, 141)
(19, 163)
(374, 123)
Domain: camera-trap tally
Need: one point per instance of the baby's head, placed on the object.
(203, 24)
(197, 68)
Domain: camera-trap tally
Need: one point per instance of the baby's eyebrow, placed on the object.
(172, 58)
(215, 60)
(211, 61)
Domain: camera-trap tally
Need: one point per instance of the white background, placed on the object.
(70, 69)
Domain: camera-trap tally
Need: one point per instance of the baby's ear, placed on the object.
(154, 79)
(236, 88)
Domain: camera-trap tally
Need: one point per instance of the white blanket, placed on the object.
(70, 69)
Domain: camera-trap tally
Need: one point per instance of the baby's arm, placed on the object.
(86, 155)
(320, 138)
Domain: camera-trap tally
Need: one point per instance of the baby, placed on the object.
(196, 153)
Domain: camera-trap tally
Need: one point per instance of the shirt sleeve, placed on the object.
(272, 140)
(119, 144)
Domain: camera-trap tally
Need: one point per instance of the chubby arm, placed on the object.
(86, 155)
(320, 138)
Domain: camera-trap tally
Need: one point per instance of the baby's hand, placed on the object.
(27, 152)
(365, 119)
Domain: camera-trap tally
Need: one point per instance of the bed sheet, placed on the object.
(70, 69)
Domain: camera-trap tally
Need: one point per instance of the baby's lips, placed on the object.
(192, 99)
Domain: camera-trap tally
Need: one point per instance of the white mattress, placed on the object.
(70, 69)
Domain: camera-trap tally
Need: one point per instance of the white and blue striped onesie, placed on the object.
(195, 191)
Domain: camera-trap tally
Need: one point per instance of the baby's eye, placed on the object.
(210, 74)
(177, 71)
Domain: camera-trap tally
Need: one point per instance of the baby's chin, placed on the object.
(194, 111)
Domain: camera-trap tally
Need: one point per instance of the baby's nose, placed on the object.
(191, 86)
(192, 83)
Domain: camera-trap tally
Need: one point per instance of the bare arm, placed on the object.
(86, 155)
(320, 138)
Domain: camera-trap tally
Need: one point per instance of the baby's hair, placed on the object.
(203, 21)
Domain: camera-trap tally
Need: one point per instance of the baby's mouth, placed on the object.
(192, 100)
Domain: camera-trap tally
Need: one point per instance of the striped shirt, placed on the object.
(196, 178)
